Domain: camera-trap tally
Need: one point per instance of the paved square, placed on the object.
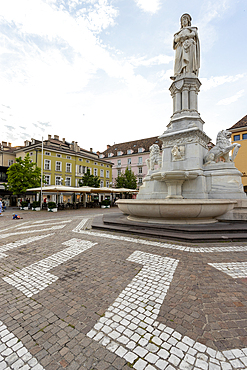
(75, 298)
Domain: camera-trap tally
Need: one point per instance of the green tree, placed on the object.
(89, 180)
(23, 175)
(126, 180)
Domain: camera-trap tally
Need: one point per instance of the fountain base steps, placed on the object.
(227, 231)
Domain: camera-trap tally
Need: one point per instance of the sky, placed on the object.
(98, 71)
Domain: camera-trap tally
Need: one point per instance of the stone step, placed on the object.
(220, 231)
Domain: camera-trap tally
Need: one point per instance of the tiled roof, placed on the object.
(241, 123)
(65, 147)
(133, 145)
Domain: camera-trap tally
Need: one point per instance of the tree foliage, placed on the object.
(126, 180)
(89, 180)
(23, 175)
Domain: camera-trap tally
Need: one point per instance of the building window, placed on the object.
(119, 162)
(101, 183)
(68, 167)
(118, 172)
(119, 153)
(68, 181)
(95, 172)
(11, 161)
(47, 164)
(140, 150)
(139, 160)
(101, 173)
(84, 169)
(110, 154)
(95, 163)
(236, 137)
(80, 168)
(140, 170)
(80, 159)
(129, 160)
(107, 174)
(87, 161)
(47, 153)
(139, 180)
(58, 180)
(129, 151)
(31, 153)
(59, 155)
(58, 166)
(107, 184)
(101, 156)
(244, 137)
(68, 157)
(47, 179)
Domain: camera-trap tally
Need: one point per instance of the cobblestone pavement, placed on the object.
(75, 298)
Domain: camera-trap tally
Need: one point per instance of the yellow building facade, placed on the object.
(65, 163)
(239, 135)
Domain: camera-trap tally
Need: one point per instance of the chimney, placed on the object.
(63, 140)
(108, 146)
(98, 152)
(9, 144)
(49, 137)
(91, 150)
(4, 143)
(26, 143)
(56, 137)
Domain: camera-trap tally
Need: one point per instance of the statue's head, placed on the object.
(185, 20)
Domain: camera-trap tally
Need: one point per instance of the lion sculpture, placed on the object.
(222, 148)
(154, 158)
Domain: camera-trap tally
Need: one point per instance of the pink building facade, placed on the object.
(132, 154)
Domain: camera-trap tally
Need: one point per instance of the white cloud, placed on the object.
(212, 82)
(158, 60)
(232, 99)
(150, 6)
(210, 11)
(165, 75)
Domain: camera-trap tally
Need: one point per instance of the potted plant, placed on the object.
(52, 207)
(36, 206)
(24, 205)
(105, 203)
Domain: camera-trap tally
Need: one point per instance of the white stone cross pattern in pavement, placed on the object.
(234, 269)
(43, 224)
(13, 354)
(80, 228)
(19, 243)
(34, 278)
(57, 227)
(130, 330)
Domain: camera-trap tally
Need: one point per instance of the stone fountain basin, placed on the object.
(173, 211)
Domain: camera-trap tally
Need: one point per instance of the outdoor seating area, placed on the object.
(67, 197)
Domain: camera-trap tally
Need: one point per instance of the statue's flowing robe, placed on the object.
(187, 58)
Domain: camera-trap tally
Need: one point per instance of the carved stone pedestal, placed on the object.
(174, 181)
(224, 181)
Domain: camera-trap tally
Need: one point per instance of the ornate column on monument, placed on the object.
(184, 132)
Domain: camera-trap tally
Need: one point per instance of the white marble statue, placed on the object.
(154, 157)
(222, 148)
(186, 44)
